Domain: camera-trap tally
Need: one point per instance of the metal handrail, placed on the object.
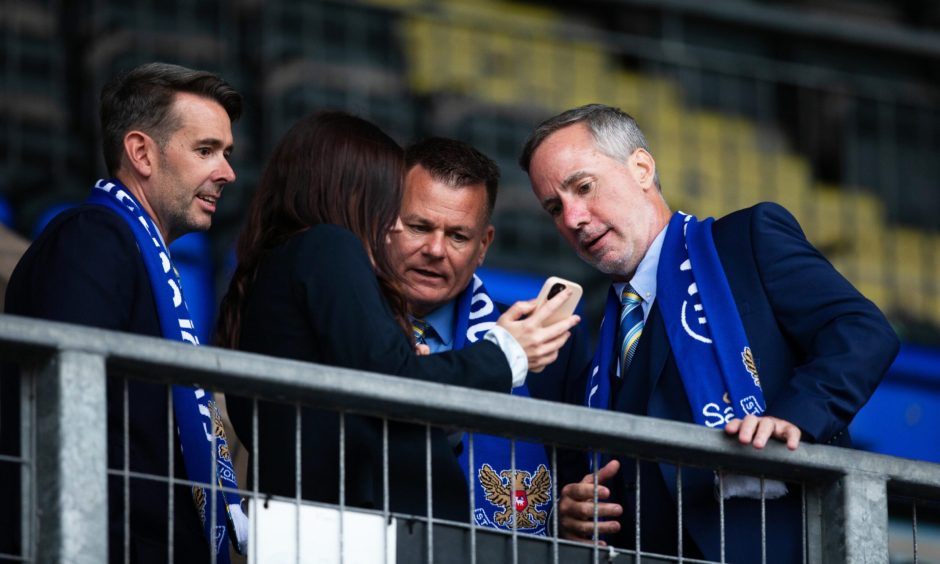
(845, 479)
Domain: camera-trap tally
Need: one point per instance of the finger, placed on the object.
(608, 471)
(559, 327)
(554, 336)
(766, 428)
(583, 492)
(555, 343)
(584, 510)
(518, 310)
(544, 353)
(422, 350)
(791, 434)
(604, 474)
(748, 427)
(583, 529)
(538, 362)
(733, 427)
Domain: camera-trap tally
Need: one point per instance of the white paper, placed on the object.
(366, 539)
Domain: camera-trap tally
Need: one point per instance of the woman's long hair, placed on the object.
(330, 167)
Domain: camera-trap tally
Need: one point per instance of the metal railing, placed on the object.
(64, 458)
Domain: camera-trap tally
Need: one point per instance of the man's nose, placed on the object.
(575, 215)
(225, 174)
(434, 245)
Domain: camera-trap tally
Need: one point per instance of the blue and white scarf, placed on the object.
(496, 490)
(718, 369)
(197, 417)
(705, 331)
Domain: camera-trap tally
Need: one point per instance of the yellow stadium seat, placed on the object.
(709, 163)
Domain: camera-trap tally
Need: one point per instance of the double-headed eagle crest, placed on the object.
(525, 491)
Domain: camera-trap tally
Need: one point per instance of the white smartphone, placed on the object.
(553, 286)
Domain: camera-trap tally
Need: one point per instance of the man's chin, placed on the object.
(603, 264)
(424, 303)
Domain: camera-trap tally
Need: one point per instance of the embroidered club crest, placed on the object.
(751, 406)
(218, 429)
(748, 359)
(524, 492)
(199, 499)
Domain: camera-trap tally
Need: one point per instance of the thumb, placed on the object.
(608, 471)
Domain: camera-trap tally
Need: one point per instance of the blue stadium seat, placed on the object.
(192, 256)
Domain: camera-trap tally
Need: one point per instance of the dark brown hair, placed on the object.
(456, 164)
(330, 167)
(142, 98)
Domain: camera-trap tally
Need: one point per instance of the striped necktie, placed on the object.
(420, 328)
(631, 325)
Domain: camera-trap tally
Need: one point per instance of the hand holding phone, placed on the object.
(542, 333)
(552, 287)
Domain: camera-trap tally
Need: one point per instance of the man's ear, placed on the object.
(485, 242)
(643, 168)
(140, 153)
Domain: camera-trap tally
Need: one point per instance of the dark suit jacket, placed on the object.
(821, 348)
(85, 268)
(562, 380)
(316, 298)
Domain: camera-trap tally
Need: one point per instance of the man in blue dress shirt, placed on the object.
(448, 200)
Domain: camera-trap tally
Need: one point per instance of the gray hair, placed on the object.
(615, 132)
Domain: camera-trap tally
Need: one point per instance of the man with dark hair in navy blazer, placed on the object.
(737, 324)
(167, 138)
(449, 195)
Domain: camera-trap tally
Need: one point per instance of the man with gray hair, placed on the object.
(167, 138)
(737, 324)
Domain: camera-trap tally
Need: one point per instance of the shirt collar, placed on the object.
(442, 320)
(644, 279)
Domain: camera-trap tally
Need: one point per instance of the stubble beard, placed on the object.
(623, 263)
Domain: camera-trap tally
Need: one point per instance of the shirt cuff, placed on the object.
(515, 354)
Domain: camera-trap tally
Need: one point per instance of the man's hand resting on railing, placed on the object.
(576, 507)
(756, 431)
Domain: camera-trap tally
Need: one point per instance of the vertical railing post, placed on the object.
(855, 520)
(71, 458)
(28, 469)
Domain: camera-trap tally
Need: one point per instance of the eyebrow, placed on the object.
(414, 218)
(572, 178)
(214, 142)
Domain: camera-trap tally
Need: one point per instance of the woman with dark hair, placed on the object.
(313, 283)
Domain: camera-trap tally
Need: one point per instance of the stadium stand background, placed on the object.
(830, 108)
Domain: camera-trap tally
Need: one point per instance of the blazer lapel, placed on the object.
(648, 362)
(655, 330)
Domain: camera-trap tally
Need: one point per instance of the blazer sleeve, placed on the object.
(344, 304)
(844, 342)
(82, 271)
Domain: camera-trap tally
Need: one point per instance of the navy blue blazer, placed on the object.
(85, 268)
(821, 348)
